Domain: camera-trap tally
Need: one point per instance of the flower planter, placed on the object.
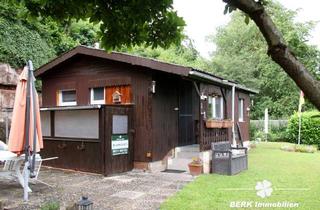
(227, 124)
(214, 123)
(195, 169)
(219, 123)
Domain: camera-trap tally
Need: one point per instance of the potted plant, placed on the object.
(195, 166)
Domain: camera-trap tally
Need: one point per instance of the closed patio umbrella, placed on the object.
(25, 134)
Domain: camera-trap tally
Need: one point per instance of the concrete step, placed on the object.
(188, 148)
(179, 163)
(187, 155)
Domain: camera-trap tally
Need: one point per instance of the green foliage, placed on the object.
(184, 54)
(299, 148)
(277, 132)
(39, 39)
(310, 128)
(241, 56)
(84, 32)
(305, 148)
(51, 206)
(150, 22)
(19, 42)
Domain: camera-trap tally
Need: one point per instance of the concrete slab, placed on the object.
(131, 190)
(128, 194)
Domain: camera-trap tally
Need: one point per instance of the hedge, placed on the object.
(310, 128)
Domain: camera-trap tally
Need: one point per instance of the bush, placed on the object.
(299, 148)
(276, 133)
(310, 128)
(52, 205)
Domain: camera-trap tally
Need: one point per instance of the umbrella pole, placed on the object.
(27, 140)
(33, 91)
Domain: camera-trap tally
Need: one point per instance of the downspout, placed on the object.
(233, 117)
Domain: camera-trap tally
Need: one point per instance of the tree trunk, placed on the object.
(278, 49)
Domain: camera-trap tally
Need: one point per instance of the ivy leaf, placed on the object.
(247, 19)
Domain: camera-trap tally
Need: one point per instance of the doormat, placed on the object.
(173, 171)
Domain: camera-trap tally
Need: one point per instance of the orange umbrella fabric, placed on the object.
(17, 132)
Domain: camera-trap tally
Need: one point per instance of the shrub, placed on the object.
(299, 148)
(52, 205)
(277, 132)
(310, 128)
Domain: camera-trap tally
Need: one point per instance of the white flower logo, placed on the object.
(264, 188)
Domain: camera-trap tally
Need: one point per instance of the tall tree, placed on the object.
(240, 55)
(278, 48)
(150, 22)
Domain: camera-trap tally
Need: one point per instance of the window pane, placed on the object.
(77, 124)
(218, 107)
(240, 107)
(68, 95)
(119, 124)
(209, 111)
(98, 94)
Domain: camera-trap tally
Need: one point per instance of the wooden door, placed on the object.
(119, 139)
(186, 115)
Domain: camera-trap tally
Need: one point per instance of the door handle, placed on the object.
(176, 109)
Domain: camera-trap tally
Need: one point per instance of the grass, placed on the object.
(266, 162)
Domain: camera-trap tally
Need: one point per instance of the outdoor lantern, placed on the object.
(203, 97)
(85, 204)
(153, 87)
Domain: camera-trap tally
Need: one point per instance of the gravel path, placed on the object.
(131, 190)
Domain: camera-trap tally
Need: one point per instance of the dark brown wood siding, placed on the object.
(83, 72)
(71, 157)
(164, 116)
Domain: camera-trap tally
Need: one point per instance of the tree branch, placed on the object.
(278, 49)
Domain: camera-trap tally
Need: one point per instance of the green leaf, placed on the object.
(247, 19)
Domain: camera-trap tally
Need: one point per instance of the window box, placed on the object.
(219, 123)
(227, 123)
(214, 123)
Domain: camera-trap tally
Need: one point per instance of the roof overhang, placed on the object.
(115, 56)
(210, 78)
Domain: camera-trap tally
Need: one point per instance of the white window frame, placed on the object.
(71, 103)
(241, 110)
(213, 107)
(92, 101)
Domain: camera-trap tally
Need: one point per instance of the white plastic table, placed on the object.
(7, 156)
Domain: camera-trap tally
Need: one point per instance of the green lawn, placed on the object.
(266, 162)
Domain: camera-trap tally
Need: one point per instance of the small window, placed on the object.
(215, 107)
(240, 110)
(97, 95)
(67, 98)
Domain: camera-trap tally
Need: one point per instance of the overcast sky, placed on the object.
(204, 16)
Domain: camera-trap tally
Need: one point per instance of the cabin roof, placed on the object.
(139, 61)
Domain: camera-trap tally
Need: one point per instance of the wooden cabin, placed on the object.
(112, 112)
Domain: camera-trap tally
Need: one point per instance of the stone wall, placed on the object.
(8, 82)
